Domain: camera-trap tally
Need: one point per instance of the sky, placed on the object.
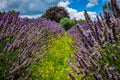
(35, 8)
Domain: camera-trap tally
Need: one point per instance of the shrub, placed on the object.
(67, 23)
(80, 21)
(23, 42)
(98, 48)
(43, 15)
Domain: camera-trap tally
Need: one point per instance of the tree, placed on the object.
(13, 12)
(56, 13)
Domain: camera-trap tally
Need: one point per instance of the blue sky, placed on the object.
(89, 5)
(35, 8)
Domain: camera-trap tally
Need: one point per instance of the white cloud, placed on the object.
(31, 16)
(2, 3)
(64, 4)
(80, 15)
(27, 7)
(74, 13)
(92, 3)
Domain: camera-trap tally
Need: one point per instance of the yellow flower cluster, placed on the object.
(54, 62)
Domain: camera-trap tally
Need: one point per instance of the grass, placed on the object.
(53, 64)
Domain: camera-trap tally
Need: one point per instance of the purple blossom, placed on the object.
(85, 43)
(92, 40)
(112, 68)
(23, 37)
(99, 55)
(99, 76)
(115, 77)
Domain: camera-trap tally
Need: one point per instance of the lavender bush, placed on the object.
(23, 42)
(98, 48)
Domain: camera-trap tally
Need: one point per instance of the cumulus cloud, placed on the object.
(32, 16)
(80, 15)
(74, 13)
(63, 4)
(92, 3)
(27, 7)
(2, 3)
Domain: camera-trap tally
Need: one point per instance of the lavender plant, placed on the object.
(23, 42)
(97, 56)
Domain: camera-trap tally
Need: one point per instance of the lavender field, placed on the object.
(41, 49)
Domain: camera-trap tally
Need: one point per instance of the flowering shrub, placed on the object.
(23, 42)
(97, 56)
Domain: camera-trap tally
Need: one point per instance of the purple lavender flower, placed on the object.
(99, 76)
(23, 37)
(99, 34)
(112, 68)
(115, 77)
(99, 55)
(85, 43)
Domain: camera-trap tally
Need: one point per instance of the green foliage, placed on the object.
(67, 23)
(13, 12)
(80, 21)
(56, 13)
(43, 15)
(109, 58)
(107, 6)
(53, 64)
(6, 58)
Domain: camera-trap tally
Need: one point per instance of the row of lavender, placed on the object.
(98, 46)
(23, 42)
